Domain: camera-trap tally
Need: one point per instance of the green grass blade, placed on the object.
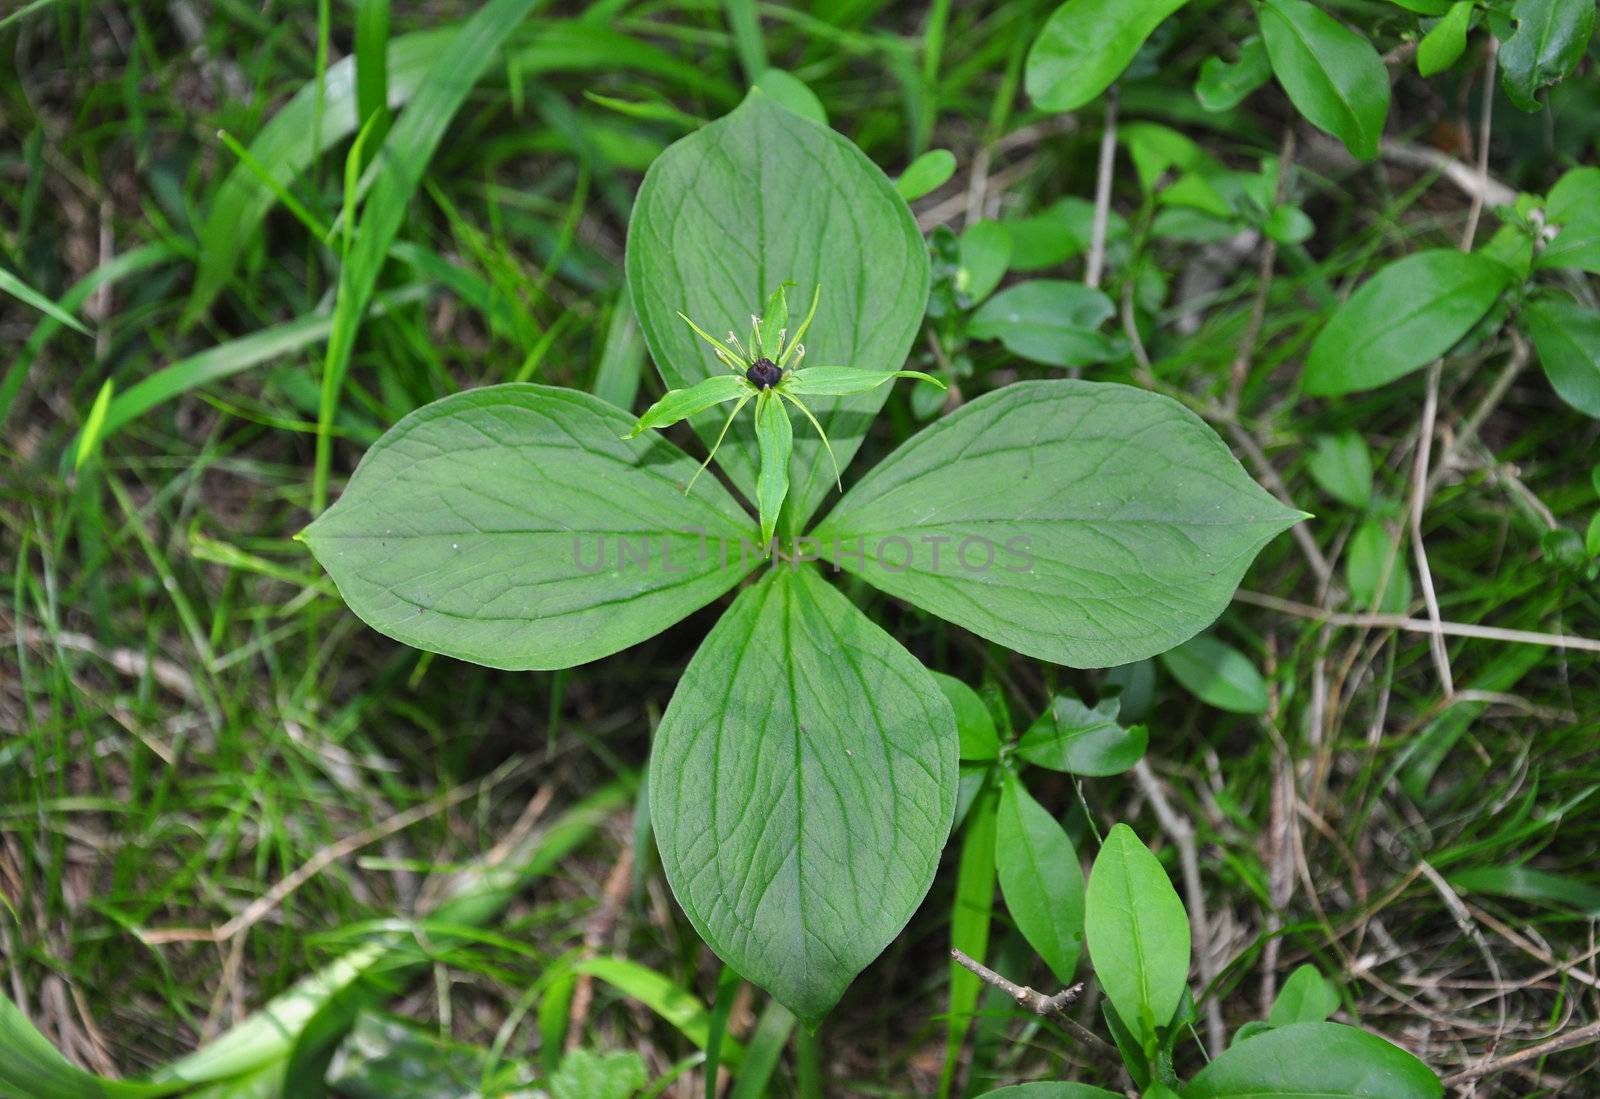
(745, 24)
(10, 284)
(969, 925)
(372, 66)
(761, 1055)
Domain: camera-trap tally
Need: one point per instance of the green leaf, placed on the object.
(1085, 45)
(1314, 1061)
(1342, 467)
(680, 404)
(1306, 997)
(1567, 337)
(1547, 45)
(11, 284)
(1368, 555)
(755, 199)
(1049, 321)
(1073, 738)
(585, 1074)
(1223, 86)
(1574, 206)
(1218, 675)
(839, 381)
(1050, 1090)
(512, 527)
(985, 249)
(1408, 314)
(971, 915)
(1332, 75)
(791, 92)
(926, 174)
(802, 784)
(1040, 878)
(1443, 46)
(1119, 524)
(974, 722)
(1524, 883)
(1138, 933)
(1424, 7)
(775, 435)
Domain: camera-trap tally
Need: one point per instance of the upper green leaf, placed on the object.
(1138, 933)
(1548, 43)
(1080, 522)
(1567, 337)
(513, 527)
(1401, 319)
(802, 785)
(1040, 878)
(1314, 1061)
(755, 199)
(1332, 75)
(1085, 45)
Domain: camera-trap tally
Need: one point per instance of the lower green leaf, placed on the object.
(1138, 933)
(1040, 878)
(1314, 1061)
(802, 785)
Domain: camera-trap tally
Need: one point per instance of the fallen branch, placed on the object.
(1037, 1002)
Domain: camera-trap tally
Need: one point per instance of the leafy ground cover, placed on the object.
(240, 242)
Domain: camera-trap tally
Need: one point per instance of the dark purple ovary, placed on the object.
(764, 373)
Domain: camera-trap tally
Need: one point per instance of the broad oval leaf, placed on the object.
(1401, 319)
(1072, 737)
(928, 172)
(1086, 523)
(1324, 1060)
(1567, 337)
(1332, 75)
(1574, 205)
(1547, 45)
(1040, 878)
(1341, 465)
(1050, 321)
(512, 526)
(1138, 933)
(1218, 674)
(755, 199)
(802, 785)
(1306, 997)
(1085, 45)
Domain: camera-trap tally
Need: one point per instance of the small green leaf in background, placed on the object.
(585, 1074)
(1040, 878)
(1408, 314)
(1443, 46)
(1342, 467)
(1574, 205)
(1218, 674)
(1567, 337)
(790, 91)
(974, 723)
(1085, 45)
(93, 424)
(1306, 997)
(1138, 933)
(985, 255)
(926, 174)
(1547, 45)
(1049, 321)
(1224, 85)
(383, 1058)
(1524, 883)
(1325, 1060)
(1073, 738)
(1370, 551)
(1332, 75)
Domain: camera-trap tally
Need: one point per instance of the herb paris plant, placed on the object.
(803, 778)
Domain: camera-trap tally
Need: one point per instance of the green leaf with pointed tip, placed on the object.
(512, 527)
(1040, 878)
(1218, 674)
(1547, 45)
(1223, 86)
(802, 785)
(1050, 321)
(1567, 337)
(1443, 46)
(1138, 933)
(757, 198)
(1314, 1061)
(1574, 205)
(1408, 314)
(774, 323)
(680, 404)
(1306, 997)
(839, 381)
(1081, 522)
(1073, 738)
(1085, 45)
(775, 434)
(1332, 75)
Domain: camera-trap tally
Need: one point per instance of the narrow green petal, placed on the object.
(680, 404)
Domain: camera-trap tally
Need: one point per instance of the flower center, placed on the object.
(764, 373)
